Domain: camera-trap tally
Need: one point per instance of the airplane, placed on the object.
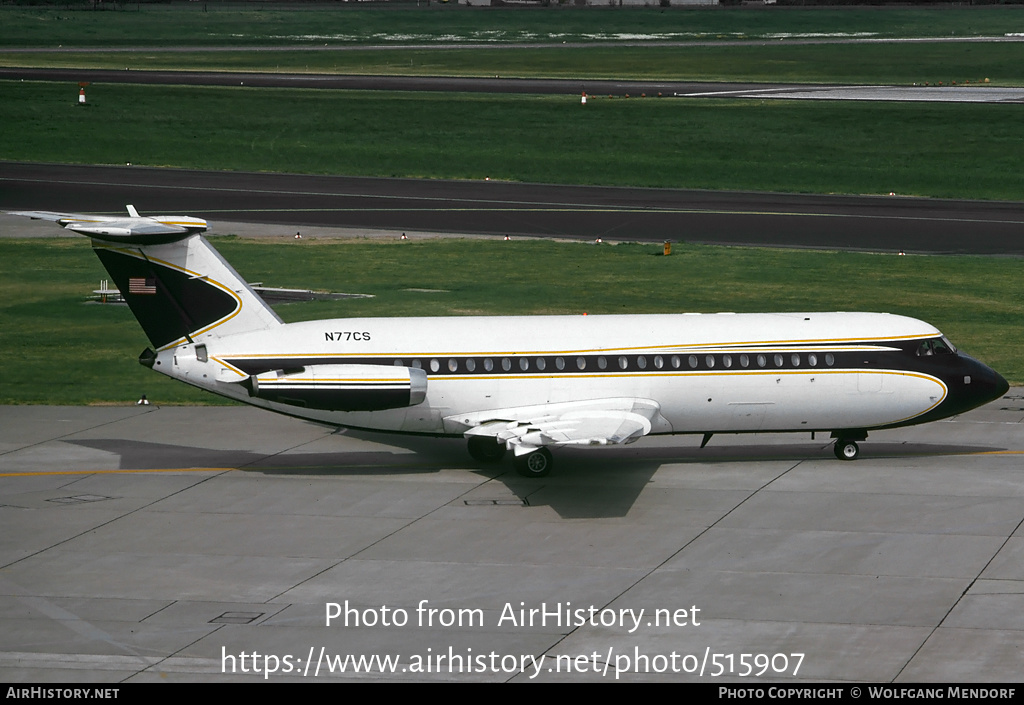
(529, 383)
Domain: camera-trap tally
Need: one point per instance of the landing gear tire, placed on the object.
(846, 450)
(535, 464)
(485, 449)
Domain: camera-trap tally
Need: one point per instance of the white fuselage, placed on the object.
(708, 372)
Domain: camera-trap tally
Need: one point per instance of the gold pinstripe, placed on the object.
(680, 349)
(197, 275)
(708, 373)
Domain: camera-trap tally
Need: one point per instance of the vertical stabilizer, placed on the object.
(184, 290)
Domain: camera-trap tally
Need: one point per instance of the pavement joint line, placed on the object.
(963, 594)
(403, 527)
(72, 433)
(686, 544)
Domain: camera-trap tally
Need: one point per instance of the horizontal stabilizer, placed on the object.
(133, 230)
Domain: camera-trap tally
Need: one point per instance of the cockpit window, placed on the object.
(935, 346)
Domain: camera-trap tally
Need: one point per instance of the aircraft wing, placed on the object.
(592, 422)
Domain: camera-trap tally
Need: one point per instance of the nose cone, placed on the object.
(981, 384)
(1000, 385)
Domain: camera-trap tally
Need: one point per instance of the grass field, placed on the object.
(578, 43)
(890, 64)
(195, 24)
(59, 350)
(943, 150)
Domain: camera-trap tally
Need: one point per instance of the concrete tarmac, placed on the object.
(174, 543)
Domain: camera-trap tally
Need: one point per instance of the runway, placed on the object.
(446, 84)
(160, 544)
(289, 202)
(977, 93)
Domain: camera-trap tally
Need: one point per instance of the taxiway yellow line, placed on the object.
(110, 472)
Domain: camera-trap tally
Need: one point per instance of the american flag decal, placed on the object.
(141, 285)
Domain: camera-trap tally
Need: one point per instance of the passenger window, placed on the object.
(623, 362)
(581, 363)
(641, 362)
(658, 362)
(560, 363)
(676, 362)
(453, 364)
(709, 361)
(692, 362)
(727, 360)
(744, 361)
(471, 364)
(541, 364)
(761, 361)
(795, 359)
(524, 364)
(830, 359)
(778, 360)
(602, 362)
(435, 365)
(417, 364)
(812, 360)
(488, 364)
(506, 364)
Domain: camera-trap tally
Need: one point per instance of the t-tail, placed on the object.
(183, 291)
(179, 288)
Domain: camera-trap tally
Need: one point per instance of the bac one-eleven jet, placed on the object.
(532, 383)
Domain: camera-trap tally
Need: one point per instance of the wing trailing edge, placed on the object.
(582, 423)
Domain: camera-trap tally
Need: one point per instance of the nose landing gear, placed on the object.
(846, 450)
(846, 447)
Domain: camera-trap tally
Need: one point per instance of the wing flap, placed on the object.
(586, 423)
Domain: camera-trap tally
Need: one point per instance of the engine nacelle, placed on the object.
(342, 387)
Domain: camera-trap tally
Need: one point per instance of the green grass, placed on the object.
(942, 150)
(890, 64)
(58, 350)
(624, 43)
(217, 24)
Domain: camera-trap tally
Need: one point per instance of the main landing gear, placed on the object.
(534, 464)
(485, 449)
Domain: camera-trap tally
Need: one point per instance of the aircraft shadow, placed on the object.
(586, 483)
